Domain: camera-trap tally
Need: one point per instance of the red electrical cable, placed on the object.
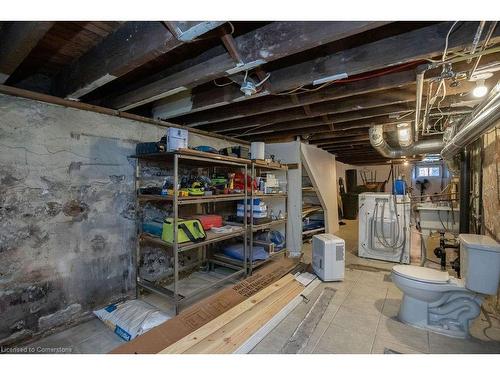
(380, 73)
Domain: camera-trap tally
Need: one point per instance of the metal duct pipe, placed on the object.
(428, 146)
(478, 122)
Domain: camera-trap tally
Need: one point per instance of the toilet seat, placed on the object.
(422, 274)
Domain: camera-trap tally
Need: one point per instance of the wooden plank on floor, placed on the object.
(236, 332)
(305, 329)
(206, 310)
(259, 335)
(200, 334)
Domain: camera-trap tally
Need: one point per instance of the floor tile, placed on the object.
(391, 307)
(101, 343)
(342, 340)
(363, 303)
(85, 330)
(372, 291)
(440, 344)
(397, 332)
(381, 345)
(355, 320)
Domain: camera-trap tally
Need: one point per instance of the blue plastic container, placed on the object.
(399, 187)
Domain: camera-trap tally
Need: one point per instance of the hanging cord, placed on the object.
(446, 41)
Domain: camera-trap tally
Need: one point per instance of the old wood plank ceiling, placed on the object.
(325, 82)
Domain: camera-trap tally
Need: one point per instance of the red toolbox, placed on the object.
(209, 221)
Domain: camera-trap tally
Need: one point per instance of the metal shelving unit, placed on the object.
(254, 228)
(194, 159)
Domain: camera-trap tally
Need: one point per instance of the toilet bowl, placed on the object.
(434, 300)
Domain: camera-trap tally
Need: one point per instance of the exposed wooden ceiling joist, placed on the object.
(335, 91)
(309, 126)
(331, 108)
(281, 102)
(132, 45)
(17, 40)
(419, 44)
(268, 43)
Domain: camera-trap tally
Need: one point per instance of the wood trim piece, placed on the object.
(219, 322)
(242, 328)
(262, 332)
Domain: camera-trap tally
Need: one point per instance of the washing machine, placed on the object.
(384, 227)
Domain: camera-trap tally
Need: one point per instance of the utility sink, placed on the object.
(437, 217)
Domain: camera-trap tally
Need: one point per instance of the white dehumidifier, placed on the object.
(328, 257)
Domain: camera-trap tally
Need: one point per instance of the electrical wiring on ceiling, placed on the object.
(348, 80)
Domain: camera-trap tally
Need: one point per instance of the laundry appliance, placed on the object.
(384, 227)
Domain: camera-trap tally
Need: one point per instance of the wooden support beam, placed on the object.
(359, 127)
(336, 91)
(281, 102)
(17, 40)
(132, 45)
(271, 42)
(404, 48)
(345, 140)
(357, 119)
(331, 108)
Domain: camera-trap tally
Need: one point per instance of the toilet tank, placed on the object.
(480, 263)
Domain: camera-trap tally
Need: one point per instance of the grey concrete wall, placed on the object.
(67, 219)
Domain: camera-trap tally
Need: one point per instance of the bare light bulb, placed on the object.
(480, 90)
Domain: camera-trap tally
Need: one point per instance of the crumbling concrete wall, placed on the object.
(67, 217)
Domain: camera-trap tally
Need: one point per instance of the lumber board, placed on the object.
(200, 334)
(263, 331)
(238, 330)
(206, 310)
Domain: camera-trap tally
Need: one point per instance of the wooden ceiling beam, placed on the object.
(349, 120)
(269, 43)
(404, 48)
(17, 40)
(336, 91)
(332, 108)
(281, 102)
(337, 141)
(129, 47)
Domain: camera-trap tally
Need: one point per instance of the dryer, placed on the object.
(384, 227)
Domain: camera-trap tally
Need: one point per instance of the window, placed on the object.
(422, 171)
(434, 171)
(428, 172)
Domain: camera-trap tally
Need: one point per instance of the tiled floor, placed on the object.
(360, 318)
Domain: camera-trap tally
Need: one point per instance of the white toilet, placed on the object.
(434, 300)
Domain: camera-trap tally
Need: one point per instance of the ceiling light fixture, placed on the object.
(480, 90)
